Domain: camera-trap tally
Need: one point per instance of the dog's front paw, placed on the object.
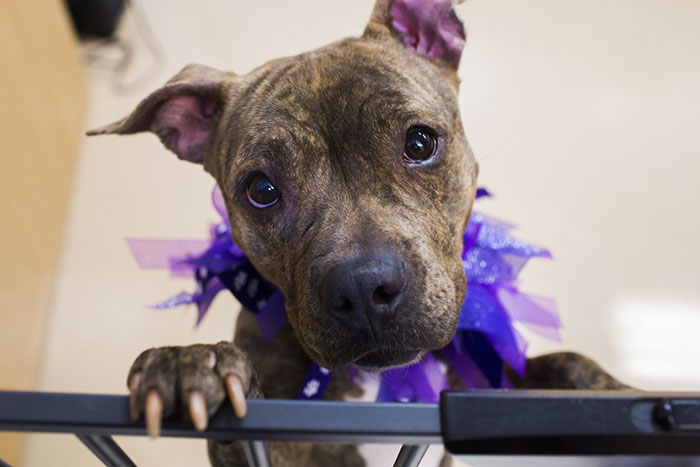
(192, 381)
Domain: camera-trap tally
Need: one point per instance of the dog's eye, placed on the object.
(421, 144)
(261, 192)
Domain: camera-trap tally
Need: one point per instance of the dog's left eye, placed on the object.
(421, 144)
(261, 192)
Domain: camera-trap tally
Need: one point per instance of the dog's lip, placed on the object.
(383, 358)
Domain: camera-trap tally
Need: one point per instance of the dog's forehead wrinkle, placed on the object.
(333, 107)
(275, 145)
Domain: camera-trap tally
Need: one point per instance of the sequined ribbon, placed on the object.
(486, 339)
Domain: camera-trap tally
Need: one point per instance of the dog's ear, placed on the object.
(183, 113)
(428, 27)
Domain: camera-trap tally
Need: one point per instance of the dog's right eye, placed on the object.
(261, 192)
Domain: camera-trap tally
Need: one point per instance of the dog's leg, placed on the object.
(194, 380)
(281, 365)
(564, 370)
(231, 454)
(289, 455)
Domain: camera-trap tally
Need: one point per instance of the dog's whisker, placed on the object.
(488, 155)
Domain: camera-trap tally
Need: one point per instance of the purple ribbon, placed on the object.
(420, 382)
(315, 383)
(486, 339)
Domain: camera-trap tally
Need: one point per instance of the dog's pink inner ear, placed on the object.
(185, 123)
(429, 27)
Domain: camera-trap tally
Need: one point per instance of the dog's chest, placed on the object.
(384, 455)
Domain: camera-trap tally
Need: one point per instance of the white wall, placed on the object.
(583, 113)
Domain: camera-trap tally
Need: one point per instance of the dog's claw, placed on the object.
(134, 410)
(154, 413)
(198, 410)
(211, 359)
(135, 380)
(234, 387)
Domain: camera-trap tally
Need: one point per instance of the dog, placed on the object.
(348, 182)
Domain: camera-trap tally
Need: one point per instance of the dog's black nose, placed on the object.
(364, 291)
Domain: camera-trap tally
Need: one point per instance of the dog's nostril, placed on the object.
(383, 296)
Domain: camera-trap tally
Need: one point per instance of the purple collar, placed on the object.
(486, 339)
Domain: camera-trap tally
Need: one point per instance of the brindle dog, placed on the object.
(348, 182)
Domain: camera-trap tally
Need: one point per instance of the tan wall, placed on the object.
(42, 96)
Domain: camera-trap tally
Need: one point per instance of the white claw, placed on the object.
(197, 405)
(134, 410)
(153, 408)
(234, 388)
(211, 359)
(135, 380)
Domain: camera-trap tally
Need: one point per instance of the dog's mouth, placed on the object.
(385, 358)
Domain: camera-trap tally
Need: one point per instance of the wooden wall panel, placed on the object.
(42, 106)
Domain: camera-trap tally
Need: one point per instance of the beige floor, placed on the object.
(585, 115)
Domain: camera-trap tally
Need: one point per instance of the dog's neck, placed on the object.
(484, 342)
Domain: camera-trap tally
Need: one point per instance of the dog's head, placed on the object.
(347, 178)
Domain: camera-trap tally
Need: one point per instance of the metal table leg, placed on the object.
(106, 449)
(257, 453)
(411, 455)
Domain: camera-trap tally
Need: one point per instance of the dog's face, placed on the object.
(347, 178)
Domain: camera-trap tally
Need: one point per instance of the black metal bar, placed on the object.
(571, 422)
(257, 454)
(411, 455)
(477, 422)
(269, 420)
(106, 449)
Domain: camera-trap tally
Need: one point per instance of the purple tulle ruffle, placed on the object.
(486, 339)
